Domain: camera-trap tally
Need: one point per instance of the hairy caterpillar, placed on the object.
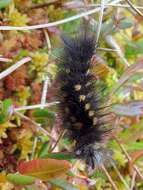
(81, 103)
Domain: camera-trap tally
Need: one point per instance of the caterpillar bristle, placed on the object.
(81, 100)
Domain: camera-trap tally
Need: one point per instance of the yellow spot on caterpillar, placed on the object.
(88, 71)
(89, 95)
(67, 71)
(88, 84)
(82, 98)
(91, 113)
(87, 106)
(77, 87)
(94, 121)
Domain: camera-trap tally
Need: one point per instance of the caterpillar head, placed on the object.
(94, 155)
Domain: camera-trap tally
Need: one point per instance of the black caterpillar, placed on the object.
(82, 103)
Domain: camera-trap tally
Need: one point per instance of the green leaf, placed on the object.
(19, 179)
(4, 3)
(43, 116)
(126, 23)
(107, 27)
(44, 150)
(42, 113)
(139, 44)
(33, 187)
(6, 105)
(134, 146)
(68, 27)
(22, 53)
(99, 174)
(2, 118)
(5, 110)
(56, 53)
(59, 156)
(133, 49)
(62, 184)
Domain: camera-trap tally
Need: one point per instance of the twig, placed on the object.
(44, 92)
(106, 49)
(47, 80)
(36, 106)
(138, 171)
(120, 176)
(109, 177)
(116, 5)
(133, 180)
(48, 41)
(128, 73)
(58, 140)
(34, 147)
(134, 8)
(38, 126)
(2, 59)
(100, 20)
(128, 157)
(14, 67)
(113, 44)
(51, 2)
(56, 23)
(115, 2)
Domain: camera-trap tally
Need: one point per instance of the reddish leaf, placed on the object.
(44, 168)
(134, 157)
(129, 72)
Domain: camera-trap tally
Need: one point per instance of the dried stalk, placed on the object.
(109, 177)
(14, 67)
(134, 8)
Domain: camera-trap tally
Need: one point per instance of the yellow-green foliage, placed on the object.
(39, 64)
(15, 18)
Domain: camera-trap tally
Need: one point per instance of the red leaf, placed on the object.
(44, 168)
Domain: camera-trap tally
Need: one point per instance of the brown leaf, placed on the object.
(99, 67)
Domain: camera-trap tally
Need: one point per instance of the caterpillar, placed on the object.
(82, 103)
